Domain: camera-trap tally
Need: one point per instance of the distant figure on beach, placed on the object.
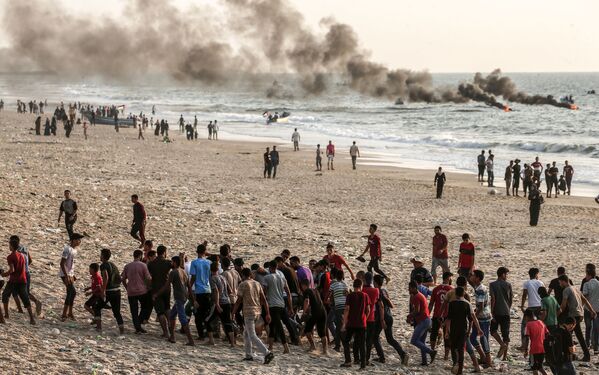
(439, 182)
(295, 138)
(354, 152)
(153, 110)
(568, 172)
(330, 155)
(181, 124)
(138, 225)
(85, 130)
(38, 125)
(508, 177)
(536, 200)
(267, 163)
(215, 130)
(318, 158)
(53, 126)
(68, 207)
(597, 199)
(156, 128)
(440, 254)
(562, 185)
(189, 132)
(537, 169)
(116, 121)
(140, 133)
(481, 166)
(47, 128)
(67, 274)
(516, 171)
(490, 174)
(527, 175)
(1, 105)
(274, 160)
(210, 130)
(553, 180)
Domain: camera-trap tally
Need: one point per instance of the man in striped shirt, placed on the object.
(336, 298)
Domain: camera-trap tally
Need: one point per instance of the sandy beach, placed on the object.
(214, 191)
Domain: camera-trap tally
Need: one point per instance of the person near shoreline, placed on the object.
(274, 161)
(373, 247)
(267, 163)
(67, 274)
(490, 174)
(295, 138)
(138, 225)
(480, 160)
(318, 158)
(215, 130)
(516, 171)
(439, 182)
(38, 125)
(568, 172)
(210, 127)
(507, 177)
(553, 180)
(330, 155)
(537, 169)
(354, 152)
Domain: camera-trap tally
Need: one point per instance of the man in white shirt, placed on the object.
(295, 138)
(67, 274)
(490, 174)
(590, 290)
(354, 152)
(530, 290)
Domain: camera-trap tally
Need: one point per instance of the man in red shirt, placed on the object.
(357, 309)
(420, 319)
(373, 295)
(17, 280)
(376, 255)
(466, 260)
(330, 155)
(439, 306)
(335, 260)
(439, 253)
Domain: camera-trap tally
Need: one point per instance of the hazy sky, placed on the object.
(456, 35)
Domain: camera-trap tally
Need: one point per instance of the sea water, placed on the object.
(413, 135)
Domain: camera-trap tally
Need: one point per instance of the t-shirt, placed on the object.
(339, 290)
(481, 160)
(536, 329)
(200, 268)
(459, 313)
(353, 150)
(335, 260)
(304, 273)
(233, 279)
(483, 305)
(532, 286)
(139, 213)
(426, 275)
(136, 273)
(373, 296)
(418, 300)
(357, 302)
(23, 250)
(291, 279)
(96, 280)
(439, 295)
(178, 279)
(159, 269)
(550, 305)
(295, 137)
(466, 259)
(249, 292)
(114, 280)
(68, 206)
(489, 165)
(575, 307)
(424, 290)
(330, 150)
(440, 246)
(17, 260)
(501, 293)
(568, 170)
(68, 253)
(316, 305)
(374, 244)
(275, 288)
(217, 282)
(557, 289)
(536, 165)
(590, 289)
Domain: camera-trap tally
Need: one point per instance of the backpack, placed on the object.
(554, 352)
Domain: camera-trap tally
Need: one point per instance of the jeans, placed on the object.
(114, 298)
(202, 312)
(139, 306)
(490, 178)
(338, 323)
(276, 326)
(374, 264)
(68, 223)
(373, 339)
(353, 162)
(419, 338)
(71, 294)
(359, 335)
(250, 338)
(484, 339)
(595, 333)
(580, 337)
(567, 368)
(388, 336)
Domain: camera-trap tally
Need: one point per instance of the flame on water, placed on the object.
(573, 107)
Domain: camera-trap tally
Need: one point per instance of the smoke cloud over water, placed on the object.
(231, 41)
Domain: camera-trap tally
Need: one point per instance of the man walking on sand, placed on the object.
(68, 207)
(295, 138)
(17, 279)
(330, 155)
(67, 274)
(439, 253)
(354, 152)
(138, 225)
(135, 278)
(376, 255)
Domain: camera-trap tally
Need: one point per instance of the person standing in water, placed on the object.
(354, 152)
(295, 138)
(318, 158)
(439, 182)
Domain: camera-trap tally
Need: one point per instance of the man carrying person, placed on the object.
(439, 253)
(317, 316)
(68, 207)
(138, 225)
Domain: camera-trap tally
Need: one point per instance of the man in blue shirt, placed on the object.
(200, 279)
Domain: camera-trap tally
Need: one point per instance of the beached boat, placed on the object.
(282, 118)
(123, 122)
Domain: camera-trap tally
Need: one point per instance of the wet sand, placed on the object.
(214, 191)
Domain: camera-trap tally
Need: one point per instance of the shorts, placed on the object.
(439, 262)
(96, 303)
(502, 323)
(330, 157)
(162, 303)
(19, 289)
(178, 310)
(320, 321)
(537, 361)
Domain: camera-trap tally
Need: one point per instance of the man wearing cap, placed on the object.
(501, 306)
(67, 274)
(439, 253)
(427, 278)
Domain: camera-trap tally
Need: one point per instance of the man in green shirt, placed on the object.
(550, 309)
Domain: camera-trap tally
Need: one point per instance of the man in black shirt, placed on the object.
(563, 335)
(159, 269)
(458, 325)
(267, 163)
(111, 286)
(69, 208)
(138, 226)
(516, 177)
(555, 286)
